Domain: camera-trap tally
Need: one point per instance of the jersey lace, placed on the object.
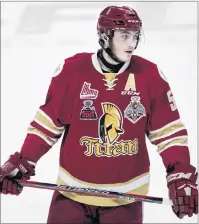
(110, 79)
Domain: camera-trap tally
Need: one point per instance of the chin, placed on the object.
(125, 58)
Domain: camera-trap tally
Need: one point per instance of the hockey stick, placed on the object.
(95, 192)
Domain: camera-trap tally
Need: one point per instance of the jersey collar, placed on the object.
(97, 66)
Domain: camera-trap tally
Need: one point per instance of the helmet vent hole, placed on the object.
(119, 22)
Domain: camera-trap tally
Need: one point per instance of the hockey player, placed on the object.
(104, 104)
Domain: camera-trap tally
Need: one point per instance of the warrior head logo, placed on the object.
(110, 123)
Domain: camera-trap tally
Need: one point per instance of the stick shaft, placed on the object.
(94, 192)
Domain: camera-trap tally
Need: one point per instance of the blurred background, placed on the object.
(37, 36)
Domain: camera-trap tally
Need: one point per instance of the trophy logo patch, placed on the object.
(135, 110)
(88, 111)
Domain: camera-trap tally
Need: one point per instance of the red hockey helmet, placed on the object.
(114, 17)
(117, 18)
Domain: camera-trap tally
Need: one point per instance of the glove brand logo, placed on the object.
(178, 176)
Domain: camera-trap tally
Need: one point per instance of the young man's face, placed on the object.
(124, 43)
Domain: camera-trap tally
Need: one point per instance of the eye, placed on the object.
(125, 36)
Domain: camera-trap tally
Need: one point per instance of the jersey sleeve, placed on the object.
(165, 128)
(47, 126)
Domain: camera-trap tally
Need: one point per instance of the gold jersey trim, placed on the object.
(176, 141)
(166, 131)
(46, 122)
(50, 141)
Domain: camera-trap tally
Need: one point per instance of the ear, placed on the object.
(105, 38)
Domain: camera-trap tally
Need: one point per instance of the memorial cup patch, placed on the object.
(135, 110)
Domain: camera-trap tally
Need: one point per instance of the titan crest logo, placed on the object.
(110, 123)
(110, 128)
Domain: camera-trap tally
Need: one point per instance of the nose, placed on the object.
(132, 43)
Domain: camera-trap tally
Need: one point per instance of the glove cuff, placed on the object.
(176, 172)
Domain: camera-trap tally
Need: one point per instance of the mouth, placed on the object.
(129, 52)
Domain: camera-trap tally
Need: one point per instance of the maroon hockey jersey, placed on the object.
(104, 119)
